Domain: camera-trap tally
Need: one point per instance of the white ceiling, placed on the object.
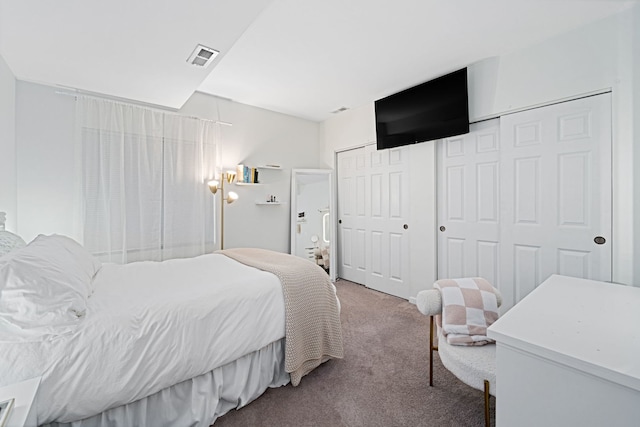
(134, 49)
(300, 57)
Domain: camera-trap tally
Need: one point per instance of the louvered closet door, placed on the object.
(556, 186)
(468, 203)
(352, 215)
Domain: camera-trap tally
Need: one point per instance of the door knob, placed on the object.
(339, 221)
(600, 240)
(406, 226)
(443, 228)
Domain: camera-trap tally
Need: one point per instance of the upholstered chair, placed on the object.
(473, 365)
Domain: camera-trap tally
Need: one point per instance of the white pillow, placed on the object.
(67, 254)
(44, 287)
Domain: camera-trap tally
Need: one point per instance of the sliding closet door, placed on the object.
(387, 198)
(527, 197)
(352, 215)
(468, 203)
(556, 216)
(373, 218)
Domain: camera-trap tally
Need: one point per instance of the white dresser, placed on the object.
(568, 354)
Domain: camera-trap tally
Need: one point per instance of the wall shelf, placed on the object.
(239, 174)
(269, 203)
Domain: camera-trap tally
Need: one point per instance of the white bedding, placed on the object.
(148, 326)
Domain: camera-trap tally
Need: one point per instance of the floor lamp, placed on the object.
(230, 198)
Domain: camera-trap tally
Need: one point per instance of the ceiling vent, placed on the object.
(202, 56)
(339, 110)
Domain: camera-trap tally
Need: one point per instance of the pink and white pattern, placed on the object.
(469, 307)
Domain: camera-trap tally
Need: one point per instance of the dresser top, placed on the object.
(585, 324)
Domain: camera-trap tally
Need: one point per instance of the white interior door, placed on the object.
(352, 219)
(387, 229)
(556, 205)
(373, 224)
(468, 202)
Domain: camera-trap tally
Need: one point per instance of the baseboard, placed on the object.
(412, 300)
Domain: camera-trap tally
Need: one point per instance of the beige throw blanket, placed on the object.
(312, 324)
(469, 307)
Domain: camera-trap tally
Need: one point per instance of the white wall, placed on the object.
(578, 62)
(46, 183)
(259, 137)
(45, 162)
(8, 192)
(351, 128)
(603, 55)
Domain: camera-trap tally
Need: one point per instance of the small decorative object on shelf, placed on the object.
(271, 200)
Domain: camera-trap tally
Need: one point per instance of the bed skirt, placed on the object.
(200, 400)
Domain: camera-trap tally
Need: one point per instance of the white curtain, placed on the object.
(144, 176)
(189, 162)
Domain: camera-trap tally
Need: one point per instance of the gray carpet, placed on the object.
(383, 379)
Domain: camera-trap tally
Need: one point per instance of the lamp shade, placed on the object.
(213, 186)
(232, 197)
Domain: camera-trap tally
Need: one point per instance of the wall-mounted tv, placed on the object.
(432, 110)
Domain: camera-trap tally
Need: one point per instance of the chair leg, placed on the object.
(431, 351)
(487, 421)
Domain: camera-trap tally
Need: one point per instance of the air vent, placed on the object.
(339, 110)
(202, 56)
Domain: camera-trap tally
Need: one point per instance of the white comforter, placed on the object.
(149, 326)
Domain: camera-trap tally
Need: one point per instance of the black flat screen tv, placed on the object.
(432, 110)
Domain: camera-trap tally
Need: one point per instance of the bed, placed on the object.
(178, 342)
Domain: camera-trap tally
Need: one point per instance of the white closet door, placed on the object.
(373, 224)
(468, 203)
(388, 231)
(352, 215)
(556, 187)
